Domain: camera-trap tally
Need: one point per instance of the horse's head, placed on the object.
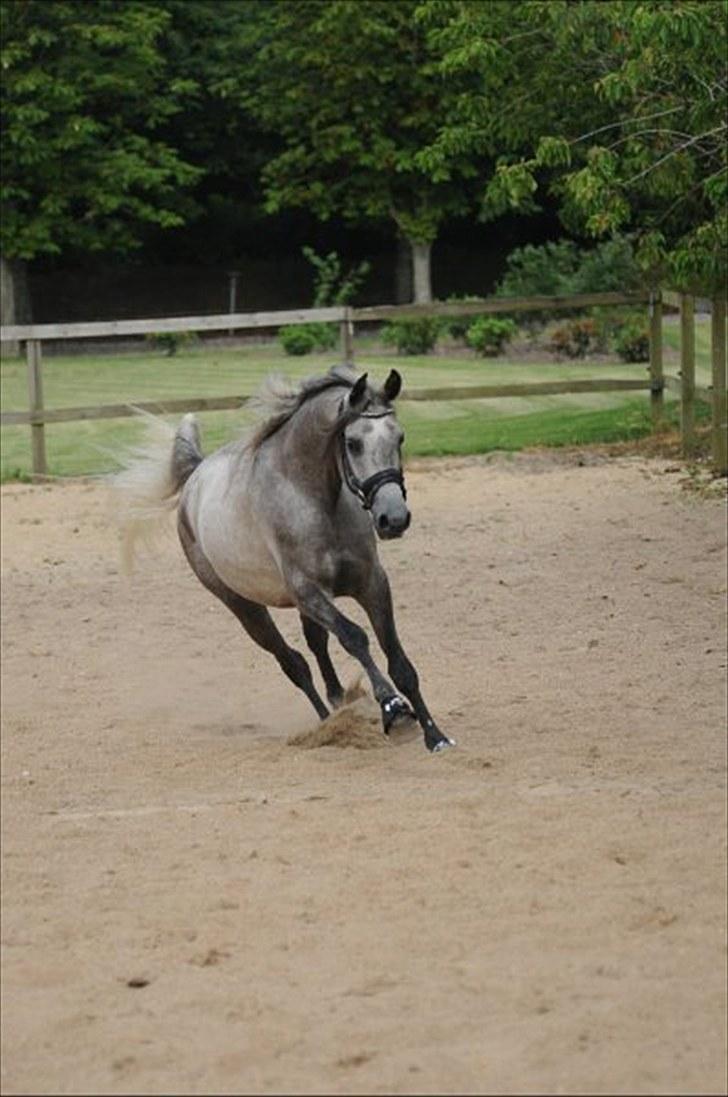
(371, 458)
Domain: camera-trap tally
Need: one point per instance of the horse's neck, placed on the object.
(308, 442)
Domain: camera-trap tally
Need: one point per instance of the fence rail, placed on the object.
(229, 403)
(38, 416)
(224, 322)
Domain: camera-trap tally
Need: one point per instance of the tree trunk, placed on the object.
(403, 273)
(15, 298)
(421, 267)
(10, 347)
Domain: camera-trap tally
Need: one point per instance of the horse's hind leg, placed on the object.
(255, 619)
(317, 639)
(259, 624)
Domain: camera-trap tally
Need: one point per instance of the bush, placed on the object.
(297, 340)
(544, 269)
(171, 341)
(412, 336)
(489, 334)
(333, 284)
(457, 327)
(325, 335)
(575, 339)
(632, 342)
(611, 266)
(303, 338)
(560, 268)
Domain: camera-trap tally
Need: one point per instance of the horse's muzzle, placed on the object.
(390, 526)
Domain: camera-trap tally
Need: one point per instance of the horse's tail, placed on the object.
(147, 487)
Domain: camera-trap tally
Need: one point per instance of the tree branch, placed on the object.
(674, 152)
(623, 122)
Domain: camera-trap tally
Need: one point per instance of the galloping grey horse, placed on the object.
(287, 517)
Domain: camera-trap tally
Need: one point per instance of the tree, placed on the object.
(84, 94)
(212, 43)
(618, 107)
(351, 89)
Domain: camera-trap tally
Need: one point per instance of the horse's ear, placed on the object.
(392, 386)
(358, 394)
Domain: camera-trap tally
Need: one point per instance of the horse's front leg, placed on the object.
(376, 599)
(315, 604)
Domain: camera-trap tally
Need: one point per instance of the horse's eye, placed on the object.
(354, 445)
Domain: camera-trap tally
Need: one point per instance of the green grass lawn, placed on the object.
(473, 426)
(671, 342)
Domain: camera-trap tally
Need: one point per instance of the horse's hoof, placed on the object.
(395, 708)
(442, 744)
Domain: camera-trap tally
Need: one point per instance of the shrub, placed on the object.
(632, 342)
(575, 338)
(457, 327)
(489, 334)
(333, 284)
(325, 335)
(560, 268)
(412, 336)
(297, 340)
(609, 266)
(544, 269)
(171, 341)
(304, 338)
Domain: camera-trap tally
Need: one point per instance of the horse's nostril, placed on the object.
(383, 521)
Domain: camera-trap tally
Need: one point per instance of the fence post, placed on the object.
(720, 397)
(35, 400)
(687, 373)
(347, 336)
(657, 382)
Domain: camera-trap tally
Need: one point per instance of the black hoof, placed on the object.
(395, 708)
(440, 744)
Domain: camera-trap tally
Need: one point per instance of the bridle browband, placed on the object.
(366, 490)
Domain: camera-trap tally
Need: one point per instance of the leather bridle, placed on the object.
(366, 490)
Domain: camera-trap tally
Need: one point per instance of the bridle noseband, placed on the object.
(366, 490)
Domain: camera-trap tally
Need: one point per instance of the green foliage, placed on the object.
(610, 266)
(640, 143)
(85, 94)
(334, 285)
(488, 335)
(561, 268)
(457, 326)
(533, 270)
(301, 339)
(412, 336)
(632, 342)
(297, 340)
(351, 92)
(170, 342)
(120, 119)
(618, 108)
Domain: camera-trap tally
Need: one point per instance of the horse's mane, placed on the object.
(279, 398)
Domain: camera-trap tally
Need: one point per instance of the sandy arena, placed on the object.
(192, 904)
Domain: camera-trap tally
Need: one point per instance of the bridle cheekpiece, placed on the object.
(366, 490)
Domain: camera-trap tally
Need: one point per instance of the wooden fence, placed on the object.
(37, 415)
